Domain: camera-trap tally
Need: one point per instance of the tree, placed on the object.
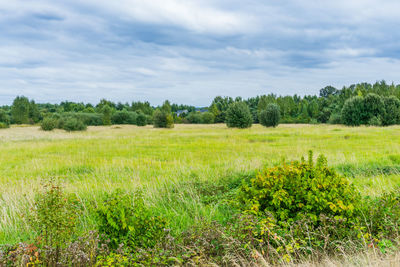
(374, 106)
(392, 111)
(141, 119)
(106, 110)
(20, 110)
(34, 113)
(353, 112)
(207, 118)
(270, 116)
(327, 91)
(162, 117)
(238, 115)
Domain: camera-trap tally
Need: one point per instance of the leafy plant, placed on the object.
(300, 189)
(72, 124)
(48, 124)
(238, 115)
(127, 220)
(53, 217)
(270, 116)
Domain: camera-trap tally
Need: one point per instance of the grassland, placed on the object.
(160, 161)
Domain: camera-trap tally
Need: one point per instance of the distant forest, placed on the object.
(362, 103)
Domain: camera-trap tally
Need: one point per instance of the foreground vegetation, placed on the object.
(198, 194)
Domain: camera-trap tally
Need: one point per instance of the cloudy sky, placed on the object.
(189, 51)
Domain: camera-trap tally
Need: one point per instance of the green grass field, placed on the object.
(159, 160)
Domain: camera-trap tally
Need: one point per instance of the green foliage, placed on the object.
(48, 124)
(270, 116)
(335, 118)
(53, 216)
(73, 124)
(141, 119)
(207, 118)
(300, 189)
(353, 112)
(127, 220)
(124, 117)
(106, 110)
(4, 125)
(4, 118)
(238, 115)
(194, 117)
(20, 110)
(374, 106)
(162, 117)
(392, 111)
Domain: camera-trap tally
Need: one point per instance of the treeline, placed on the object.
(363, 103)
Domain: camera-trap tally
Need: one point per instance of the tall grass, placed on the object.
(165, 162)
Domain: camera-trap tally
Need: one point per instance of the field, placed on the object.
(104, 158)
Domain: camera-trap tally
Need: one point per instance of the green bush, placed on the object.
(194, 117)
(207, 118)
(53, 217)
(48, 124)
(141, 119)
(335, 118)
(301, 190)
(4, 119)
(72, 124)
(93, 119)
(374, 106)
(124, 117)
(270, 116)
(238, 115)
(353, 111)
(163, 119)
(392, 111)
(127, 220)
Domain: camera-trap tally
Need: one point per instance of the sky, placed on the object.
(190, 51)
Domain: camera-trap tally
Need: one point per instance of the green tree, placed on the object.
(353, 112)
(106, 110)
(20, 110)
(34, 113)
(238, 115)
(392, 111)
(270, 116)
(162, 117)
(374, 106)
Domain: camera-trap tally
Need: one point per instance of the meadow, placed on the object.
(160, 161)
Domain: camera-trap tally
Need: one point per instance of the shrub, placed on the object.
(72, 124)
(335, 118)
(124, 117)
(207, 118)
(392, 111)
(301, 190)
(4, 125)
(163, 119)
(93, 119)
(353, 112)
(194, 117)
(4, 119)
(53, 217)
(106, 110)
(128, 221)
(48, 124)
(270, 116)
(141, 119)
(374, 106)
(238, 115)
